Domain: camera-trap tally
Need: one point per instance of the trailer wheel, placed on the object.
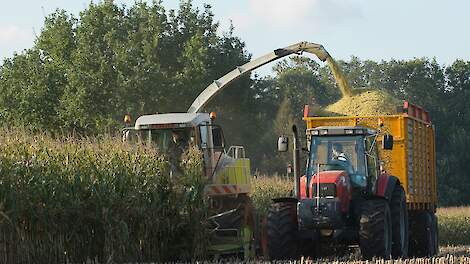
(375, 232)
(436, 235)
(399, 223)
(282, 231)
(423, 235)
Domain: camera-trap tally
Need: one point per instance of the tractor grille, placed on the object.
(326, 190)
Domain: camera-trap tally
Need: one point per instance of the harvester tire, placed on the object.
(423, 235)
(375, 231)
(400, 234)
(243, 216)
(282, 231)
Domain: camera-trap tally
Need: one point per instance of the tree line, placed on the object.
(84, 73)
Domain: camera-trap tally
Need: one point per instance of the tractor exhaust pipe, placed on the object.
(296, 157)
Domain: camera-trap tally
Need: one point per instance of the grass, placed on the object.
(454, 225)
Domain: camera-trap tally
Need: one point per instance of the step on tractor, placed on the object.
(369, 181)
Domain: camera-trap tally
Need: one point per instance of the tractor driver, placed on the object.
(340, 158)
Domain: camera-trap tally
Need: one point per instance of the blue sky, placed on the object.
(374, 29)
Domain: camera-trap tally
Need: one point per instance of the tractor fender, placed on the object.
(385, 185)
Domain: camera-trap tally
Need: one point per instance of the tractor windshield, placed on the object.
(338, 153)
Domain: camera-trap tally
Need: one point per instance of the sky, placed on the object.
(368, 29)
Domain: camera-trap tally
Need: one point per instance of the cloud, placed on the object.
(13, 34)
(13, 39)
(303, 14)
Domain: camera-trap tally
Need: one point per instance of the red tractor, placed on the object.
(346, 196)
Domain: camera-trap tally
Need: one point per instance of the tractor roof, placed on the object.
(166, 120)
(342, 130)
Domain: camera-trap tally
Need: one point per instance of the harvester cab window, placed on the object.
(338, 153)
(218, 137)
(131, 136)
(157, 138)
(162, 139)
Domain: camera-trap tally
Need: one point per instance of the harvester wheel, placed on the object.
(241, 219)
(375, 233)
(243, 216)
(282, 229)
(399, 223)
(423, 235)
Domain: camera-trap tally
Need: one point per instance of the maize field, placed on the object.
(96, 200)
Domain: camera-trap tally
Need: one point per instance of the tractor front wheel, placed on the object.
(282, 231)
(375, 233)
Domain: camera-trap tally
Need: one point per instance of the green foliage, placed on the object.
(73, 200)
(84, 74)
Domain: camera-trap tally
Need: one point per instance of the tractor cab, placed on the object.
(349, 149)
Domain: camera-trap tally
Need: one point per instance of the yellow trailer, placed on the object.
(412, 159)
(354, 192)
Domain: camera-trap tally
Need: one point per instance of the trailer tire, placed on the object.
(399, 214)
(423, 235)
(436, 235)
(375, 231)
(282, 231)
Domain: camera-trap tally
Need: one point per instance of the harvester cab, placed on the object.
(227, 171)
(173, 133)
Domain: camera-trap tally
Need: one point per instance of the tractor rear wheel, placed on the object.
(399, 223)
(375, 232)
(282, 231)
(423, 235)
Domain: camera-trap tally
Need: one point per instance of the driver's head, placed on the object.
(176, 135)
(337, 148)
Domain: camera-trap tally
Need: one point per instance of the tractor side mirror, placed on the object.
(387, 142)
(282, 144)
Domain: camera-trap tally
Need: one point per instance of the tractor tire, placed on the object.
(400, 234)
(282, 231)
(423, 235)
(375, 231)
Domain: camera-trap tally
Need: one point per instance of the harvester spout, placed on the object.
(218, 85)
